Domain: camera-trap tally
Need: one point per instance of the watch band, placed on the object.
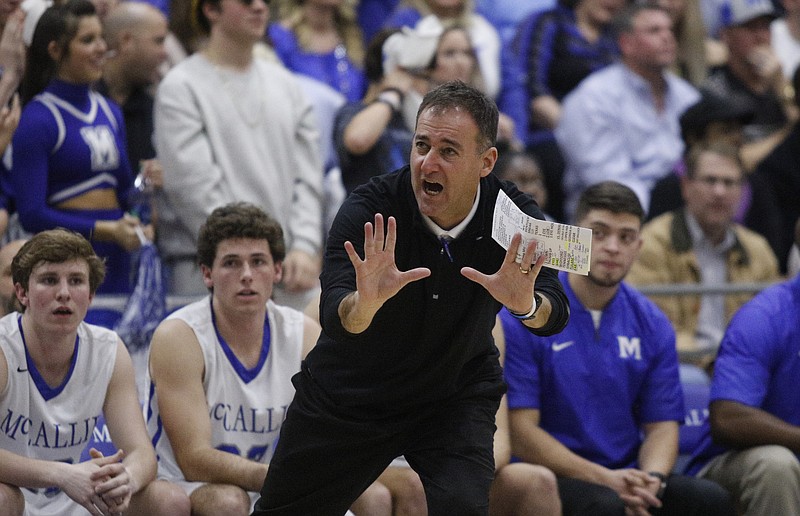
(663, 487)
(537, 303)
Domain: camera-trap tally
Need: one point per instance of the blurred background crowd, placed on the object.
(129, 122)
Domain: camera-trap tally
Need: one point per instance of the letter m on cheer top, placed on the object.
(100, 139)
(629, 347)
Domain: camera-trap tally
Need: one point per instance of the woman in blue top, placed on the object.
(322, 39)
(552, 52)
(69, 164)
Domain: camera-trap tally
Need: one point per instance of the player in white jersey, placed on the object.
(57, 374)
(220, 369)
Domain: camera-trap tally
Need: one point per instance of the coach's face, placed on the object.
(447, 163)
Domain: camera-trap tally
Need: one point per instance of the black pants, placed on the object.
(684, 496)
(324, 460)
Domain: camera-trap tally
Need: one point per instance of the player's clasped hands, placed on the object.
(636, 489)
(112, 482)
(100, 485)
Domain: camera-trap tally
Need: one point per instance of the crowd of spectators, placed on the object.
(131, 121)
(591, 89)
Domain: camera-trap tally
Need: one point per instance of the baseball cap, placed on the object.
(739, 12)
(713, 108)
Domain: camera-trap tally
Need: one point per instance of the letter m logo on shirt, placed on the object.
(100, 139)
(629, 347)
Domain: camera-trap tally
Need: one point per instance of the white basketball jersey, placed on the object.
(53, 423)
(246, 407)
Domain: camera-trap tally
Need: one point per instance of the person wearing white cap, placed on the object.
(433, 53)
(483, 34)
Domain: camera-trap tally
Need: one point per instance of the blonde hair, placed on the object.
(476, 78)
(290, 12)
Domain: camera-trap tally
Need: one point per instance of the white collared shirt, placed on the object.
(713, 262)
(458, 228)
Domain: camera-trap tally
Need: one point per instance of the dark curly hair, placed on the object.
(239, 220)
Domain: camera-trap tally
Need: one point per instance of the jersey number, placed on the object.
(256, 453)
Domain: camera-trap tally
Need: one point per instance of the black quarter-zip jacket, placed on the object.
(432, 341)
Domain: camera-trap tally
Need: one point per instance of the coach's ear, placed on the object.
(489, 158)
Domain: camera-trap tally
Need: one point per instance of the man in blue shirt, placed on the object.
(621, 122)
(599, 403)
(755, 406)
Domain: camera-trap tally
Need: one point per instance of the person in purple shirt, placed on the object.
(482, 34)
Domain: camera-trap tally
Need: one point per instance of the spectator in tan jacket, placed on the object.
(701, 244)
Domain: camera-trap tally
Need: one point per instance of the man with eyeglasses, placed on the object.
(701, 244)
